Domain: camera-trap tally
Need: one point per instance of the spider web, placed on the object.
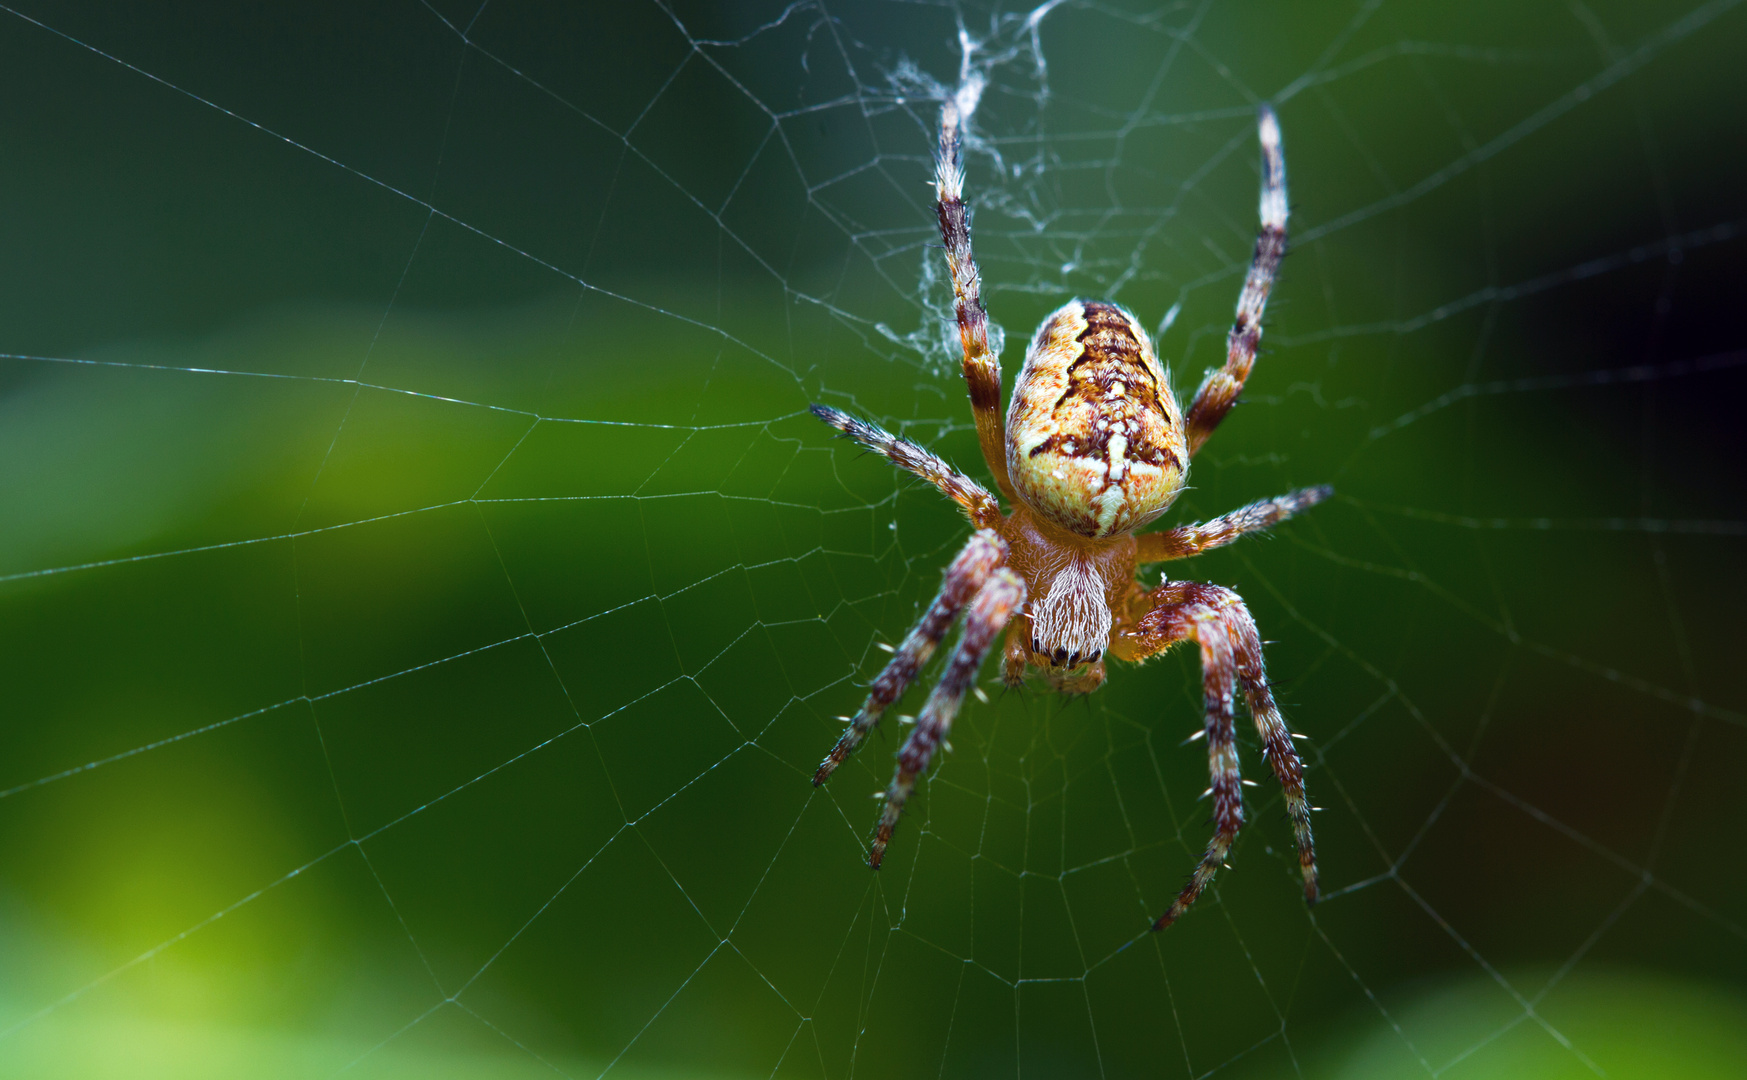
(426, 596)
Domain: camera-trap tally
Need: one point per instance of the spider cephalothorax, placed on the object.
(1093, 447)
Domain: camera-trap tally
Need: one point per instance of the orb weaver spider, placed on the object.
(1093, 447)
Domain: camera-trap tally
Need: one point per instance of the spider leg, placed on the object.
(971, 496)
(1276, 744)
(999, 599)
(982, 368)
(1231, 655)
(1186, 540)
(980, 557)
(1218, 673)
(1220, 389)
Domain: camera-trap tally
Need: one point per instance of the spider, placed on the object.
(1093, 447)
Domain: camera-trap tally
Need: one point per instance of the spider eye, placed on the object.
(1094, 436)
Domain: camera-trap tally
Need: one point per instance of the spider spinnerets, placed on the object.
(1093, 447)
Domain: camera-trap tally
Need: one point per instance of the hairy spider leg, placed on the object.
(981, 556)
(971, 496)
(1218, 674)
(1220, 389)
(1000, 598)
(982, 368)
(1186, 540)
(1277, 746)
(1231, 654)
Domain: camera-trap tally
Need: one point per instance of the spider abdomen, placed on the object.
(1094, 436)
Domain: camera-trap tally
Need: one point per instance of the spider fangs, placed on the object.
(1093, 447)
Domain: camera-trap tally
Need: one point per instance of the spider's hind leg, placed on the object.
(981, 556)
(1220, 389)
(982, 368)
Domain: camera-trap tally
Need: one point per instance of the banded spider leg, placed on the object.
(999, 600)
(1231, 656)
(1220, 389)
(993, 595)
(964, 578)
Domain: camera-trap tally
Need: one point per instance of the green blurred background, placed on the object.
(423, 596)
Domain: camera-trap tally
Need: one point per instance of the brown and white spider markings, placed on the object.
(1093, 447)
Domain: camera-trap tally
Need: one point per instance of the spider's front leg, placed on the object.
(965, 577)
(1231, 655)
(999, 600)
